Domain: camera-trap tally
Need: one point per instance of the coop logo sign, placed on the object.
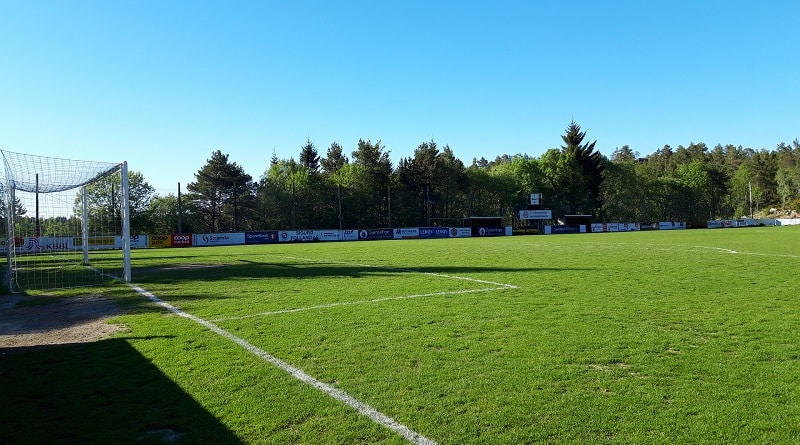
(181, 239)
(159, 240)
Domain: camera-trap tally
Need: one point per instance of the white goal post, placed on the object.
(66, 222)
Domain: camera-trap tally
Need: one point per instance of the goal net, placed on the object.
(66, 222)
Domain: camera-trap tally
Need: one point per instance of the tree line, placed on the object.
(433, 187)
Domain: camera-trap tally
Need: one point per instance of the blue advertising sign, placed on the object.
(434, 232)
(492, 231)
(373, 234)
(267, 237)
(565, 229)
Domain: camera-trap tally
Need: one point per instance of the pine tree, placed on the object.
(591, 162)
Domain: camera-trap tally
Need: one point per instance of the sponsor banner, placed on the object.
(535, 214)
(159, 240)
(305, 236)
(296, 236)
(491, 231)
(349, 235)
(137, 241)
(44, 244)
(374, 234)
(536, 199)
(631, 227)
(406, 232)
(181, 239)
(219, 239)
(671, 225)
(612, 227)
(434, 232)
(597, 227)
(460, 232)
(561, 229)
(264, 237)
(327, 235)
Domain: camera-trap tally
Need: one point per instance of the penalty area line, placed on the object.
(397, 269)
(361, 407)
(351, 303)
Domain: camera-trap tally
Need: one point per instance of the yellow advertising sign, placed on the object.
(95, 241)
(159, 240)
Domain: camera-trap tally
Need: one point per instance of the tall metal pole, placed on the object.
(180, 211)
(38, 228)
(126, 225)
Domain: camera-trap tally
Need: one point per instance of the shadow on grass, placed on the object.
(97, 393)
(244, 269)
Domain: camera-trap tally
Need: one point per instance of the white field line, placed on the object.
(396, 269)
(665, 248)
(497, 286)
(349, 303)
(363, 408)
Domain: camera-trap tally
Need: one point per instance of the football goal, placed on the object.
(66, 222)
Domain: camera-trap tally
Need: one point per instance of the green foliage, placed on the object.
(104, 198)
(590, 163)
(223, 194)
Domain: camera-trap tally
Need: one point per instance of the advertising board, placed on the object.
(375, 234)
(306, 236)
(263, 237)
(555, 230)
(434, 232)
(181, 239)
(159, 240)
(137, 241)
(406, 232)
(535, 214)
(349, 235)
(491, 231)
(460, 232)
(219, 239)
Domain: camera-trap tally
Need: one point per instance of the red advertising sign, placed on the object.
(181, 240)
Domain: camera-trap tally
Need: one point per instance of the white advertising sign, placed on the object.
(218, 239)
(535, 214)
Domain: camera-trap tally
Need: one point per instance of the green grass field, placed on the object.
(649, 337)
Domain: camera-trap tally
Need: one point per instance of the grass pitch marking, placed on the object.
(361, 407)
(495, 286)
(350, 303)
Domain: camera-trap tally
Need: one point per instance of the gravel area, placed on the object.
(26, 321)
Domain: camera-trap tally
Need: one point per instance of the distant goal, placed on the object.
(66, 222)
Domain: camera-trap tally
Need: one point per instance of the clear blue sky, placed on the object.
(164, 83)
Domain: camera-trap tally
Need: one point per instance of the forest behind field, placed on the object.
(433, 187)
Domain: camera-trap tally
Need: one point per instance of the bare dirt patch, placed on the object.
(27, 321)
